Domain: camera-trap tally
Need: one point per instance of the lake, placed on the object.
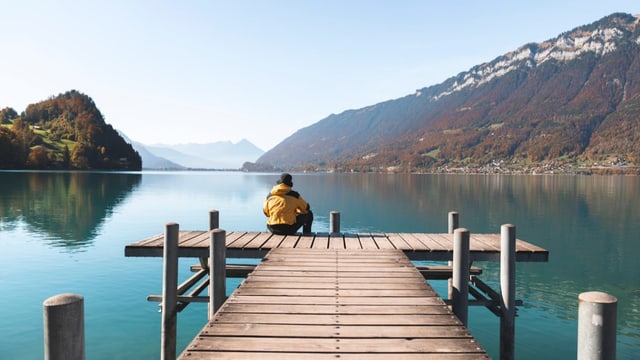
(64, 232)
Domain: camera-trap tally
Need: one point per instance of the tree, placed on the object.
(7, 114)
(66, 158)
(24, 133)
(38, 158)
(82, 156)
(12, 155)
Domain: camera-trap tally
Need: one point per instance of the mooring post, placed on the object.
(460, 298)
(508, 291)
(214, 219)
(597, 318)
(334, 222)
(454, 223)
(217, 271)
(170, 292)
(214, 223)
(63, 317)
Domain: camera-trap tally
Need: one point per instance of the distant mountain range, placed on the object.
(572, 101)
(217, 155)
(68, 132)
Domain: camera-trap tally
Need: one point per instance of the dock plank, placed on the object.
(389, 346)
(274, 241)
(367, 242)
(382, 241)
(331, 309)
(376, 300)
(418, 246)
(248, 355)
(234, 236)
(352, 242)
(410, 241)
(276, 313)
(372, 331)
(321, 242)
(290, 241)
(337, 242)
(432, 241)
(304, 242)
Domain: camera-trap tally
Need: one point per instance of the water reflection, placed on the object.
(67, 208)
(590, 225)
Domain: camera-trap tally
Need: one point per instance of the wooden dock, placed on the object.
(337, 295)
(323, 303)
(417, 246)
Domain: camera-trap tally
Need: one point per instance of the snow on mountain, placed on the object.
(566, 47)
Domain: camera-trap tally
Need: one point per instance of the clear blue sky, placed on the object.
(204, 71)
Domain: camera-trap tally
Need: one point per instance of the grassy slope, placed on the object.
(56, 147)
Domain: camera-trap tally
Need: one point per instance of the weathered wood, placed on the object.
(321, 242)
(349, 331)
(453, 221)
(305, 303)
(305, 242)
(374, 300)
(442, 272)
(214, 219)
(334, 222)
(181, 298)
(430, 247)
(63, 317)
(233, 270)
(417, 246)
(390, 346)
(347, 295)
(597, 320)
(170, 292)
(187, 284)
(217, 271)
(453, 224)
(330, 309)
(248, 355)
(460, 298)
(241, 239)
(508, 291)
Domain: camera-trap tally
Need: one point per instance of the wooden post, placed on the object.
(334, 222)
(217, 271)
(170, 292)
(214, 223)
(597, 318)
(64, 327)
(508, 291)
(214, 219)
(460, 299)
(454, 223)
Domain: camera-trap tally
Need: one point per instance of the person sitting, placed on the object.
(286, 210)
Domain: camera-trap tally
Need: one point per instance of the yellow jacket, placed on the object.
(283, 204)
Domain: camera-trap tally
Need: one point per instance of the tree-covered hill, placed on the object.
(64, 132)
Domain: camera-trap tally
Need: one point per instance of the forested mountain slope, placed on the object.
(574, 99)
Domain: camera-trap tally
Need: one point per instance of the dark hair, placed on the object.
(286, 179)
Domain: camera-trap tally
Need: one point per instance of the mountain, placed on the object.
(217, 155)
(63, 132)
(152, 162)
(149, 160)
(572, 100)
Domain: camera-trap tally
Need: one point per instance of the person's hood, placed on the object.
(280, 189)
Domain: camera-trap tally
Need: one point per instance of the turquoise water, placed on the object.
(66, 232)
